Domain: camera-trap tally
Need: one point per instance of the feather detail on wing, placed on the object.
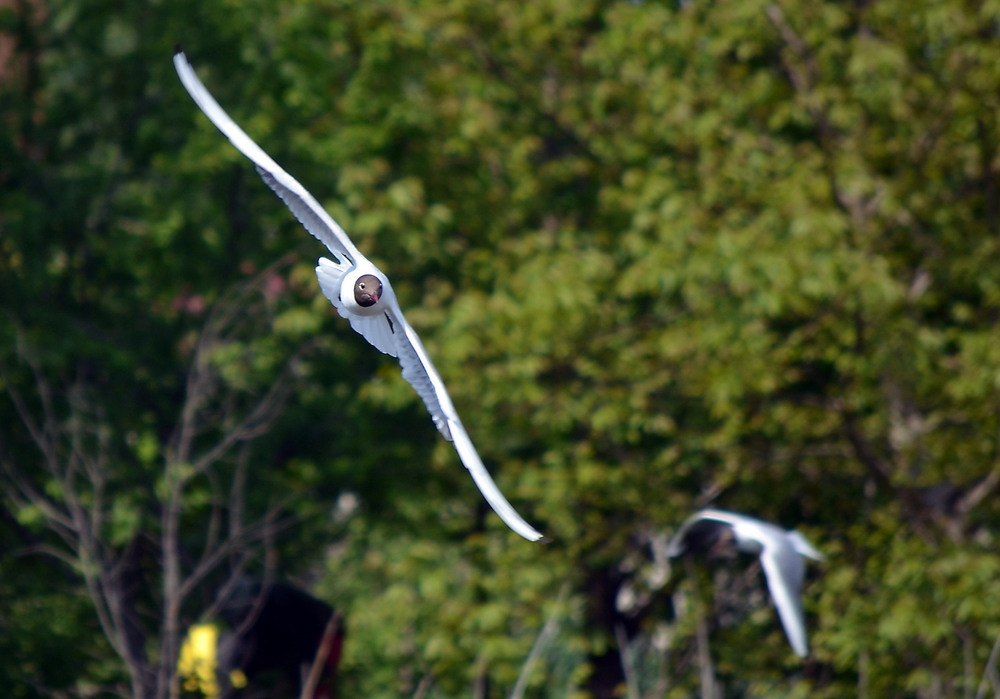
(379, 332)
(310, 214)
(421, 374)
(306, 209)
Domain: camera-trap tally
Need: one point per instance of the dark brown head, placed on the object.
(367, 290)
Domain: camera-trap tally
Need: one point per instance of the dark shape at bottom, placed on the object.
(275, 632)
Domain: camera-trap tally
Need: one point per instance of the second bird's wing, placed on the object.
(784, 570)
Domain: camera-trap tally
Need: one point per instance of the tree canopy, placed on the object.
(665, 255)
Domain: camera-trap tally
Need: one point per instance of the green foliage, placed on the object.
(663, 255)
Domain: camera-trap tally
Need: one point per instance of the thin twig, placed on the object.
(631, 688)
(705, 668)
(989, 672)
(426, 682)
(549, 628)
(322, 653)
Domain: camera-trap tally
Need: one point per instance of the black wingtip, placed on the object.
(178, 48)
(544, 540)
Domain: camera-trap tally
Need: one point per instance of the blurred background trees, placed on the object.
(734, 253)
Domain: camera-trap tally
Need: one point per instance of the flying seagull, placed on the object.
(361, 293)
(780, 552)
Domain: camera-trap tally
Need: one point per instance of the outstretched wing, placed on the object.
(701, 530)
(389, 332)
(420, 372)
(784, 570)
(697, 534)
(306, 209)
(802, 545)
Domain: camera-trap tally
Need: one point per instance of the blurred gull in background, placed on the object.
(780, 551)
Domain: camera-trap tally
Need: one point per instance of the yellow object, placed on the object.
(237, 679)
(198, 660)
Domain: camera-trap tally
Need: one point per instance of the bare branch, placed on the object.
(424, 686)
(262, 531)
(237, 489)
(706, 669)
(549, 629)
(803, 80)
(631, 687)
(75, 443)
(202, 380)
(59, 554)
(990, 672)
(24, 494)
(35, 430)
(803, 83)
(254, 424)
(981, 490)
(322, 653)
